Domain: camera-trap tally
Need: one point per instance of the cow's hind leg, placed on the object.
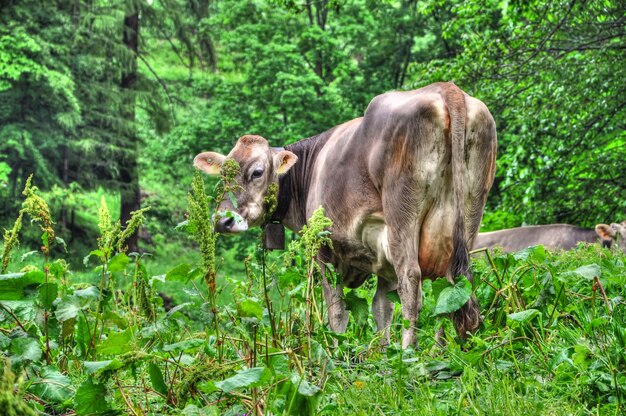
(382, 308)
(403, 234)
(410, 293)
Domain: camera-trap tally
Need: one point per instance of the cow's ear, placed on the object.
(605, 231)
(606, 234)
(283, 161)
(209, 162)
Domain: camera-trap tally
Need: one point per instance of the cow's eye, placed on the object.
(257, 173)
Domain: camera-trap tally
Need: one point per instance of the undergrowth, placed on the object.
(552, 340)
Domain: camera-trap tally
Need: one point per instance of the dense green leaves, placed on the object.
(560, 132)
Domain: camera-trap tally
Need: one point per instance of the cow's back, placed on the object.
(552, 236)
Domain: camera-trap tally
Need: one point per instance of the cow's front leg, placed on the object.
(410, 293)
(382, 308)
(336, 305)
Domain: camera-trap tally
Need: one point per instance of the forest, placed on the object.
(117, 297)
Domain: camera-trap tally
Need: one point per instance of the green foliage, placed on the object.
(559, 151)
(552, 331)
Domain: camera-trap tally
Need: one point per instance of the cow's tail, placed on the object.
(467, 319)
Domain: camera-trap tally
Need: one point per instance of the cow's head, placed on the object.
(610, 233)
(620, 232)
(259, 166)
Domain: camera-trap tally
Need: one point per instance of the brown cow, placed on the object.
(405, 186)
(551, 236)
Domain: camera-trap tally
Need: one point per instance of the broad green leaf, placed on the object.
(57, 269)
(184, 345)
(193, 410)
(61, 242)
(90, 292)
(581, 356)
(251, 308)
(151, 329)
(523, 316)
(97, 367)
(118, 263)
(561, 357)
(437, 365)
(233, 200)
(452, 298)
(304, 387)
(179, 273)
(25, 310)
(156, 378)
(178, 308)
(67, 307)
(52, 386)
(117, 343)
(90, 399)
(26, 349)
(358, 306)
(97, 253)
(439, 285)
(279, 364)
(589, 271)
(83, 334)
(535, 253)
(28, 254)
(250, 377)
(158, 278)
(47, 294)
(13, 286)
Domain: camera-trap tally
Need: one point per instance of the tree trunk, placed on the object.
(129, 175)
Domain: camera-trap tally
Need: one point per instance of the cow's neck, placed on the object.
(293, 187)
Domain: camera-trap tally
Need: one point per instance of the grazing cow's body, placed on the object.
(552, 236)
(405, 187)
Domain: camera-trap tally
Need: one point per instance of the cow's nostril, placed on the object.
(225, 225)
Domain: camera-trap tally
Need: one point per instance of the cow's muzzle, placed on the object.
(230, 222)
